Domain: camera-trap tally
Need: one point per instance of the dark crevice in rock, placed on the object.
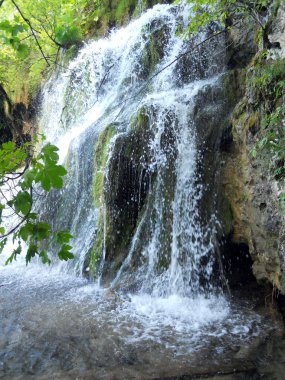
(237, 264)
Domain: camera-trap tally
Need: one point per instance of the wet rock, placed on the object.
(256, 217)
(277, 33)
(125, 189)
(241, 46)
(247, 201)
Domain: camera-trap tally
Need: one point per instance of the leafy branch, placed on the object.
(27, 21)
(41, 170)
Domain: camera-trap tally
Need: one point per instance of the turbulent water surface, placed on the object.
(57, 324)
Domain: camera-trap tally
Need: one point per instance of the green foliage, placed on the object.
(53, 173)
(123, 10)
(267, 85)
(205, 12)
(55, 23)
(273, 139)
(19, 174)
(68, 36)
(10, 32)
(10, 158)
(105, 14)
(31, 33)
(274, 133)
(267, 80)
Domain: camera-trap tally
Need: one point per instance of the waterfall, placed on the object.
(108, 84)
(141, 299)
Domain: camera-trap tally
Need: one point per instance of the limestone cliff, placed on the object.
(254, 217)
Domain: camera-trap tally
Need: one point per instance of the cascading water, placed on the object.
(172, 314)
(108, 82)
(186, 244)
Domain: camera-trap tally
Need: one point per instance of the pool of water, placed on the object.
(55, 325)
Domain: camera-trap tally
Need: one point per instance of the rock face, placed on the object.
(126, 189)
(277, 32)
(254, 218)
(5, 123)
(131, 180)
(253, 197)
(13, 120)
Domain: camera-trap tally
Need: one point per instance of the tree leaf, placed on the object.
(2, 244)
(44, 257)
(26, 231)
(41, 231)
(14, 254)
(31, 252)
(22, 202)
(23, 51)
(63, 237)
(64, 253)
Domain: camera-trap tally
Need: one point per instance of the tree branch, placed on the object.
(16, 227)
(27, 21)
(47, 32)
(51, 37)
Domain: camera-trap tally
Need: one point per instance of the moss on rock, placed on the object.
(127, 188)
(106, 14)
(120, 198)
(98, 246)
(100, 160)
(102, 16)
(154, 51)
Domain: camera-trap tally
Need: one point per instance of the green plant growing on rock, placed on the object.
(273, 139)
(267, 84)
(101, 156)
(267, 80)
(100, 161)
